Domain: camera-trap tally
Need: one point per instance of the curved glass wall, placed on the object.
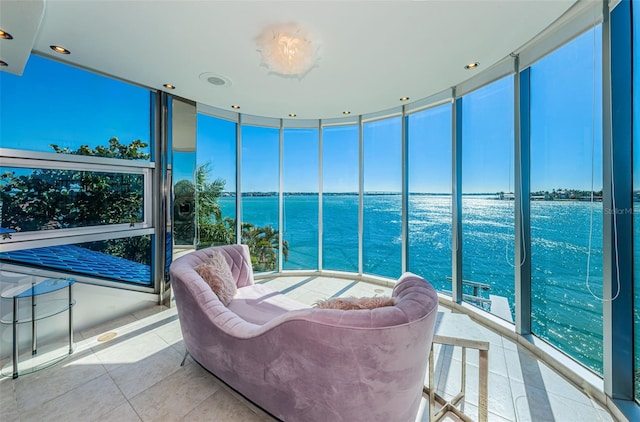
(300, 188)
(260, 189)
(215, 181)
(340, 201)
(429, 162)
(487, 197)
(382, 245)
(566, 191)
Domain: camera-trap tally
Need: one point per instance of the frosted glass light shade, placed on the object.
(287, 50)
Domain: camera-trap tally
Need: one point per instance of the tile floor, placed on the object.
(136, 376)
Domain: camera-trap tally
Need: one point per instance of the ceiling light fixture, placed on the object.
(346, 112)
(404, 99)
(5, 35)
(169, 86)
(3, 63)
(292, 114)
(288, 50)
(471, 66)
(60, 50)
(235, 107)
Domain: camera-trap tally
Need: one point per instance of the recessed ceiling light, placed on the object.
(3, 63)
(59, 49)
(404, 99)
(346, 112)
(292, 114)
(169, 86)
(472, 65)
(235, 107)
(5, 35)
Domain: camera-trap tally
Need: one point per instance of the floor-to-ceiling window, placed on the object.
(382, 249)
(429, 162)
(300, 187)
(487, 197)
(260, 188)
(340, 198)
(76, 173)
(566, 193)
(215, 181)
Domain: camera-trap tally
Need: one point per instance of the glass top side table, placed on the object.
(41, 308)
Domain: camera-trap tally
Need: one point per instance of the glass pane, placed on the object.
(46, 199)
(487, 198)
(215, 181)
(636, 185)
(340, 177)
(80, 112)
(127, 259)
(260, 187)
(382, 197)
(300, 187)
(430, 217)
(566, 191)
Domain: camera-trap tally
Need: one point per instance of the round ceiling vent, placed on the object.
(215, 79)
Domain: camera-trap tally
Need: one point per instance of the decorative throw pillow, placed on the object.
(217, 274)
(351, 303)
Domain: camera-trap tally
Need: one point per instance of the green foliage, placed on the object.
(48, 199)
(214, 229)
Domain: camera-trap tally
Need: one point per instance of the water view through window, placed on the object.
(340, 198)
(300, 186)
(260, 187)
(487, 197)
(566, 210)
(382, 199)
(429, 143)
(215, 180)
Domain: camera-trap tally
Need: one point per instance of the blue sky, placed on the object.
(54, 103)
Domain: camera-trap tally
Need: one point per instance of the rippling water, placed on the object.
(566, 251)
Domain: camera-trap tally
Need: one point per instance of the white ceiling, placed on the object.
(371, 54)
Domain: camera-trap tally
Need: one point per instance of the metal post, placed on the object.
(522, 198)
(617, 147)
(34, 328)
(360, 196)
(15, 337)
(280, 196)
(456, 200)
(239, 180)
(320, 187)
(405, 192)
(70, 317)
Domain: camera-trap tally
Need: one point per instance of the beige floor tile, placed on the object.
(176, 395)
(534, 404)
(129, 349)
(8, 403)
(83, 403)
(223, 407)
(34, 389)
(122, 413)
(133, 378)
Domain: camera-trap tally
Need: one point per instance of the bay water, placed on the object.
(566, 251)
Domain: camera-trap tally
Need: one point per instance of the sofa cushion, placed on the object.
(260, 304)
(355, 303)
(217, 274)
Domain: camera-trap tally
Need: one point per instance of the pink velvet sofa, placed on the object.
(306, 364)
